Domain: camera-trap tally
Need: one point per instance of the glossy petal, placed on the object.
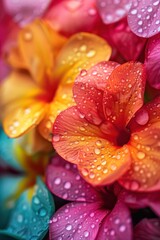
(77, 16)
(88, 147)
(112, 11)
(88, 90)
(120, 36)
(143, 17)
(9, 157)
(83, 223)
(144, 145)
(124, 93)
(116, 225)
(151, 61)
(147, 229)
(24, 115)
(141, 200)
(9, 184)
(24, 12)
(31, 214)
(64, 181)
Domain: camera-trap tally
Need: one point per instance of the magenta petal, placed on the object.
(112, 11)
(64, 181)
(77, 221)
(25, 11)
(142, 200)
(152, 61)
(147, 229)
(143, 17)
(116, 225)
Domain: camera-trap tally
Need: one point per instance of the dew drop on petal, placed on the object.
(91, 53)
(141, 155)
(67, 185)
(57, 181)
(122, 228)
(86, 234)
(142, 117)
(36, 200)
(56, 137)
(42, 212)
(68, 227)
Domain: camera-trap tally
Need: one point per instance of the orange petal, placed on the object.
(124, 93)
(144, 145)
(80, 142)
(25, 114)
(82, 50)
(17, 85)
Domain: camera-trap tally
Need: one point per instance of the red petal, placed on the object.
(64, 181)
(144, 145)
(88, 90)
(147, 229)
(124, 93)
(116, 225)
(77, 221)
(152, 61)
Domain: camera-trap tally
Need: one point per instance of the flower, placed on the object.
(109, 134)
(43, 73)
(26, 205)
(143, 16)
(93, 213)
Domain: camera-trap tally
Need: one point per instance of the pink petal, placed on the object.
(142, 200)
(112, 11)
(147, 229)
(116, 225)
(143, 17)
(77, 221)
(88, 90)
(71, 16)
(64, 181)
(152, 61)
(119, 35)
(24, 12)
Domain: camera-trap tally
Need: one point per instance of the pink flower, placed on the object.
(143, 16)
(93, 214)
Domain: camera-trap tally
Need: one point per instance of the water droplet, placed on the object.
(28, 35)
(36, 200)
(150, 9)
(142, 117)
(92, 175)
(141, 155)
(91, 53)
(99, 143)
(57, 181)
(42, 212)
(122, 228)
(56, 137)
(83, 73)
(86, 234)
(134, 185)
(68, 227)
(134, 11)
(67, 185)
(97, 151)
(20, 218)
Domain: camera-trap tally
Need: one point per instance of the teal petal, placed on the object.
(30, 217)
(9, 184)
(7, 151)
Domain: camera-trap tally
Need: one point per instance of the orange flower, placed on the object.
(45, 65)
(110, 135)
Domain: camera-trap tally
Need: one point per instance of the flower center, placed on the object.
(123, 137)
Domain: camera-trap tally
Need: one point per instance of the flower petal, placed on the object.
(143, 17)
(124, 93)
(31, 214)
(141, 200)
(144, 145)
(24, 12)
(151, 61)
(147, 229)
(79, 142)
(64, 181)
(117, 224)
(112, 11)
(84, 221)
(23, 116)
(88, 90)
(77, 16)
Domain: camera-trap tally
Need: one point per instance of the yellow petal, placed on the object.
(25, 114)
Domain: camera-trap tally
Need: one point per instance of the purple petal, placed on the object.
(143, 17)
(116, 225)
(152, 61)
(64, 181)
(77, 221)
(112, 11)
(142, 200)
(147, 229)
(25, 11)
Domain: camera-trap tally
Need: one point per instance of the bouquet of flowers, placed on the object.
(80, 119)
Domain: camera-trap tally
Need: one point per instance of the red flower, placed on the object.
(109, 135)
